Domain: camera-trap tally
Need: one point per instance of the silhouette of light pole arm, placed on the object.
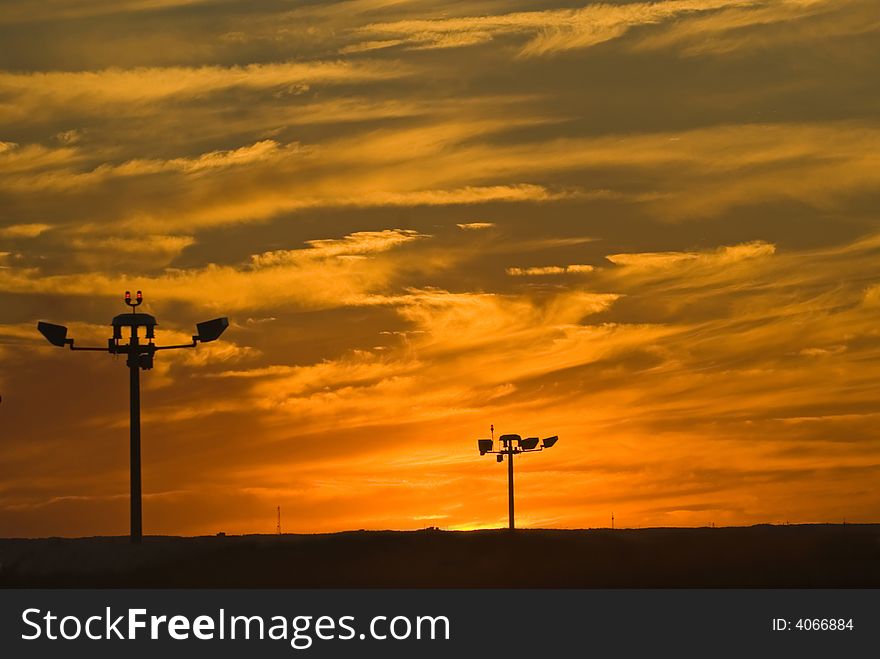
(140, 356)
(511, 445)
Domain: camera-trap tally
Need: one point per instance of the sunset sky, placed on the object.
(649, 228)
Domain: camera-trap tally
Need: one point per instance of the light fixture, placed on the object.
(549, 441)
(529, 443)
(55, 334)
(210, 330)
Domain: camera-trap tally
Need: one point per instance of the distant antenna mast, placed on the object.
(492, 430)
(278, 528)
(612, 521)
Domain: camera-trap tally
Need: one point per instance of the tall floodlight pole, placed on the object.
(510, 446)
(134, 424)
(140, 356)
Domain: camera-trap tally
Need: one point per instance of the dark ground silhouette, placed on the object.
(756, 556)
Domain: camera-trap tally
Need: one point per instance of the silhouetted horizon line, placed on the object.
(500, 529)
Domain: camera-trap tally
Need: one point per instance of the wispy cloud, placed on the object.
(23, 230)
(325, 273)
(548, 31)
(21, 11)
(40, 93)
(534, 271)
(740, 29)
(722, 256)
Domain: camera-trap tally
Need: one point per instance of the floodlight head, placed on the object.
(499, 458)
(55, 334)
(529, 443)
(549, 441)
(210, 330)
(485, 445)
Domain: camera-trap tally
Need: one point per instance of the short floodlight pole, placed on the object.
(139, 356)
(510, 446)
(511, 524)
